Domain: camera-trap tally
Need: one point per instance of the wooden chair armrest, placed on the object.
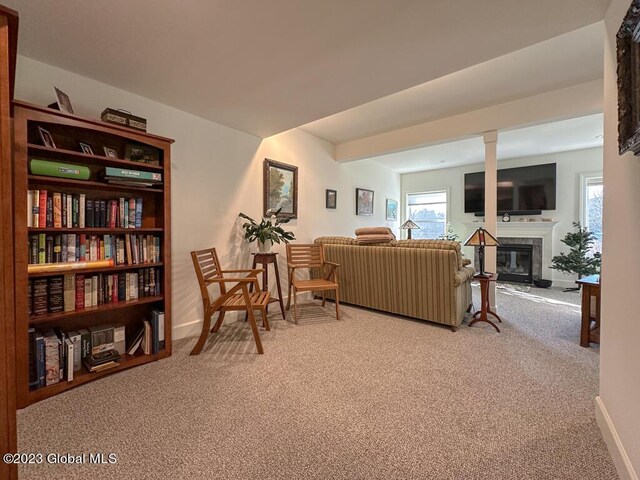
(254, 271)
(332, 263)
(232, 280)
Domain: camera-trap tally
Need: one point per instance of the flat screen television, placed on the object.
(521, 191)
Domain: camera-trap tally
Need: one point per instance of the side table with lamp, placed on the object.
(482, 238)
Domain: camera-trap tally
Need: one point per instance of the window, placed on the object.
(429, 211)
(592, 207)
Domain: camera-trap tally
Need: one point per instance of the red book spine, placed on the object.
(114, 290)
(42, 213)
(114, 214)
(79, 291)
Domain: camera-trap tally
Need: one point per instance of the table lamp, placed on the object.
(408, 226)
(481, 238)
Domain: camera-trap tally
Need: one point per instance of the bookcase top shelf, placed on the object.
(98, 125)
(50, 317)
(116, 268)
(71, 155)
(88, 184)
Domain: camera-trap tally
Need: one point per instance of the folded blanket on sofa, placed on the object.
(374, 231)
(375, 238)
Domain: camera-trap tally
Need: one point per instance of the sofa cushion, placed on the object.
(374, 239)
(374, 231)
(335, 240)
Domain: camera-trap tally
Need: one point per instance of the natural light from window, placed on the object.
(592, 209)
(429, 211)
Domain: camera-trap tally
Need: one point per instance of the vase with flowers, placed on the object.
(268, 231)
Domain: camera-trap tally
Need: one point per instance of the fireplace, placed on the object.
(514, 263)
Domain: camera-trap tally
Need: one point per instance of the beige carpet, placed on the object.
(370, 397)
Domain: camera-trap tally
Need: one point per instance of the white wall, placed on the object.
(617, 405)
(569, 167)
(217, 173)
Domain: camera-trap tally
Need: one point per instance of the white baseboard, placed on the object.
(184, 330)
(611, 438)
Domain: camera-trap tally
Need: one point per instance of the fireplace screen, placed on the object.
(514, 263)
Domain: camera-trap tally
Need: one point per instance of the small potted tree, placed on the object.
(578, 261)
(267, 232)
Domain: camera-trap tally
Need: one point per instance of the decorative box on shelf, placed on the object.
(124, 118)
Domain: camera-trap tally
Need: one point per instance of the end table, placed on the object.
(485, 308)
(265, 259)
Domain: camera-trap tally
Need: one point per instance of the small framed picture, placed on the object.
(110, 152)
(392, 209)
(64, 104)
(331, 199)
(86, 148)
(47, 139)
(364, 201)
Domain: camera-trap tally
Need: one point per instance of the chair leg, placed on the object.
(218, 323)
(324, 298)
(206, 323)
(337, 305)
(252, 320)
(265, 321)
(295, 307)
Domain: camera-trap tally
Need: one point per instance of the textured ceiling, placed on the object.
(265, 66)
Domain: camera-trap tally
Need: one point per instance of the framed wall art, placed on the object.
(331, 199)
(280, 190)
(392, 209)
(364, 201)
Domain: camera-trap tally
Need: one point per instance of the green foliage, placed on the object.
(267, 229)
(449, 234)
(578, 260)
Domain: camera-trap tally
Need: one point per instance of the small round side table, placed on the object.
(485, 307)
(265, 259)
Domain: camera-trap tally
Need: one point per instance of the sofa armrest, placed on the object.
(463, 275)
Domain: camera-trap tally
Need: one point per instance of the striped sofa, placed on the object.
(426, 279)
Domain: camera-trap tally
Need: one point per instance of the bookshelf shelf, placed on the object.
(50, 317)
(67, 132)
(65, 155)
(116, 268)
(83, 376)
(90, 231)
(88, 184)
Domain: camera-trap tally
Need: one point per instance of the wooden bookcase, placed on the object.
(67, 131)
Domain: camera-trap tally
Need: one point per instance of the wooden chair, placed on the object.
(311, 256)
(237, 298)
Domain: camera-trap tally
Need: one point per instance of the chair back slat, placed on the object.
(305, 255)
(207, 266)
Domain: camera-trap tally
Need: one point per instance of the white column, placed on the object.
(491, 203)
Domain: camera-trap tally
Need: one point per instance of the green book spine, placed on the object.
(132, 174)
(55, 169)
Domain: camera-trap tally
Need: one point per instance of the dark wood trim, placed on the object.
(8, 433)
(628, 56)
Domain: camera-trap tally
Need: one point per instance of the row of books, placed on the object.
(55, 355)
(127, 249)
(47, 209)
(71, 292)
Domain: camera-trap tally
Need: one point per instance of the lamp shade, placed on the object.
(481, 238)
(409, 225)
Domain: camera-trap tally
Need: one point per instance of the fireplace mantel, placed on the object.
(543, 230)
